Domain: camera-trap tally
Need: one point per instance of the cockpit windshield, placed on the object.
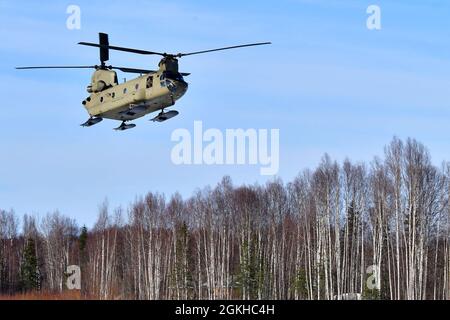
(172, 76)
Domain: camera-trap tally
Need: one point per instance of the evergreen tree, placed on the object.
(83, 238)
(30, 275)
(82, 242)
(249, 277)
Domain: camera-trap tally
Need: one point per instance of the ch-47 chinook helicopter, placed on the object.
(150, 92)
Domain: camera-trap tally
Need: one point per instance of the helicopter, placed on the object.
(153, 90)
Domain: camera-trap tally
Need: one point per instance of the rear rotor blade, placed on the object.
(104, 42)
(225, 48)
(123, 69)
(58, 67)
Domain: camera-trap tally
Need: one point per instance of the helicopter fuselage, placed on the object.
(134, 98)
(152, 91)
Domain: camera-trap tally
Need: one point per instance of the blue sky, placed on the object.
(335, 87)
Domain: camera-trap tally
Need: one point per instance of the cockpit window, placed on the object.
(172, 76)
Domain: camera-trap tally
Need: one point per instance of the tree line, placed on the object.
(378, 229)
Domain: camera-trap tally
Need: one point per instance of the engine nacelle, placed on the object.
(96, 86)
(102, 79)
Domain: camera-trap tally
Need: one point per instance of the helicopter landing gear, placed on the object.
(163, 116)
(91, 121)
(125, 126)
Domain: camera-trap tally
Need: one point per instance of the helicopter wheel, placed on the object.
(91, 121)
(163, 116)
(123, 126)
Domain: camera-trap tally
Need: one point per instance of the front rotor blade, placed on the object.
(138, 51)
(225, 48)
(143, 71)
(133, 70)
(58, 67)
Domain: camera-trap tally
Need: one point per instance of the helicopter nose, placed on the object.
(179, 87)
(183, 85)
(176, 87)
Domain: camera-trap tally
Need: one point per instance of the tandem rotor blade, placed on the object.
(123, 69)
(90, 44)
(133, 70)
(104, 42)
(179, 55)
(58, 67)
(142, 71)
(224, 48)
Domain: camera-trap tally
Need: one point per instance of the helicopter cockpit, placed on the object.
(172, 76)
(174, 81)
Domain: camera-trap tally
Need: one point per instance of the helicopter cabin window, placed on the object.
(162, 78)
(149, 82)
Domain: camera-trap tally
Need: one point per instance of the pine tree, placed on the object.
(83, 238)
(30, 275)
(82, 242)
